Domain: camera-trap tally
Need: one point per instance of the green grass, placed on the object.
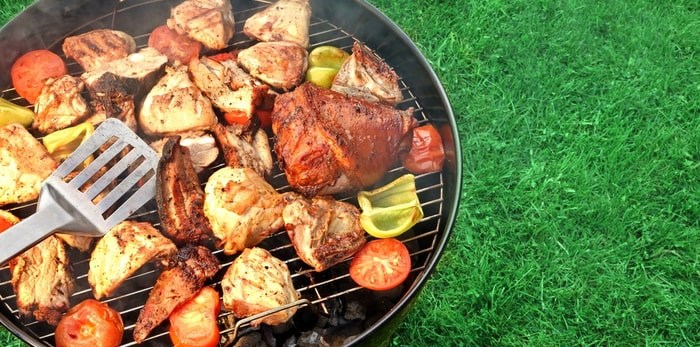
(580, 215)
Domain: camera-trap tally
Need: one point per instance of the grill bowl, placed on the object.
(340, 22)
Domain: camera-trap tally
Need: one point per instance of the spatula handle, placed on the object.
(30, 231)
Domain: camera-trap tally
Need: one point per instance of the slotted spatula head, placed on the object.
(118, 179)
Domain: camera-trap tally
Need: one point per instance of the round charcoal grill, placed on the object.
(332, 305)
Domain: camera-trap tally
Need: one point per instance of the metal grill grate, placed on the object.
(319, 290)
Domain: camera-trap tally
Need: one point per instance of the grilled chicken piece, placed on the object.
(214, 80)
(242, 207)
(98, 47)
(329, 143)
(365, 76)
(207, 21)
(122, 251)
(42, 280)
(175, 105)
(25, 164)
(188, 271)
(202, 147)
(179, 196)
(257, 282)
(118, 105)
(285, 20)
(324, 231)
(279, 64)
(60, 104)
(245, 148)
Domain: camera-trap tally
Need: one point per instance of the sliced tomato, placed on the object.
(4, 224)
(381, 264)
(427, 152)
(177, 47)
(236, 117)
(90, 323)
(193, 323)
(233, 55)
(33, 68)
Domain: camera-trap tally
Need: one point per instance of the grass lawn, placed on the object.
(580, 127)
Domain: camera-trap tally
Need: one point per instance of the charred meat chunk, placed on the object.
(60, 104)
(285, 20)
(324, 231)
(245, 148)
(42, 280)
(123, 250)
(257, 282)
(179, 196)
(95, 48)
(279, 64)
(186, 275)
(365, 76)
(330, 143)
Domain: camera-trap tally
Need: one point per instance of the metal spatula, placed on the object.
(96, 199)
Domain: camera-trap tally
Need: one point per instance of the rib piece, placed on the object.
(242, 207)
(329, 143)
(365, 76)
(95, 48)
(42, 280)
(123, 250)
(245, 148)
(188, 272)
(279, 64)
(175, 105)
(179, 196)
(285, 20)
(324, 231)
(257, 282)
(25, 164)
(60, 104)
(207, 21)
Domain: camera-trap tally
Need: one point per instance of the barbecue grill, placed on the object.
(332, 305)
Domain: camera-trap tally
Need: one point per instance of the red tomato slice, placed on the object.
(193, 323)
(4, 224)
(427, 153)
(381, 264)
(31, 70)
(233, 55)
(175, 46)
(235, 117)
(90, 323)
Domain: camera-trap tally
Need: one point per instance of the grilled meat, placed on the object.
(179, 196)
(98, 47)
(60, 104)
(242, 207)
(25, 164)
(79, 242)
(257, 282)
(285, 20)
(324, 231)
(117, 105)
(365, 76)
(42, 280)
(188, 271)
(329, 143)
(245, 148)
(214, 80)
(175, 105)
(202, 147)
(279, 64)
(207, 21)
(123, 250)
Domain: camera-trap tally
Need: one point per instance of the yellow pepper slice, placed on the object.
(324, 63)
(12, 113)
(390, 210)
(63, 142)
